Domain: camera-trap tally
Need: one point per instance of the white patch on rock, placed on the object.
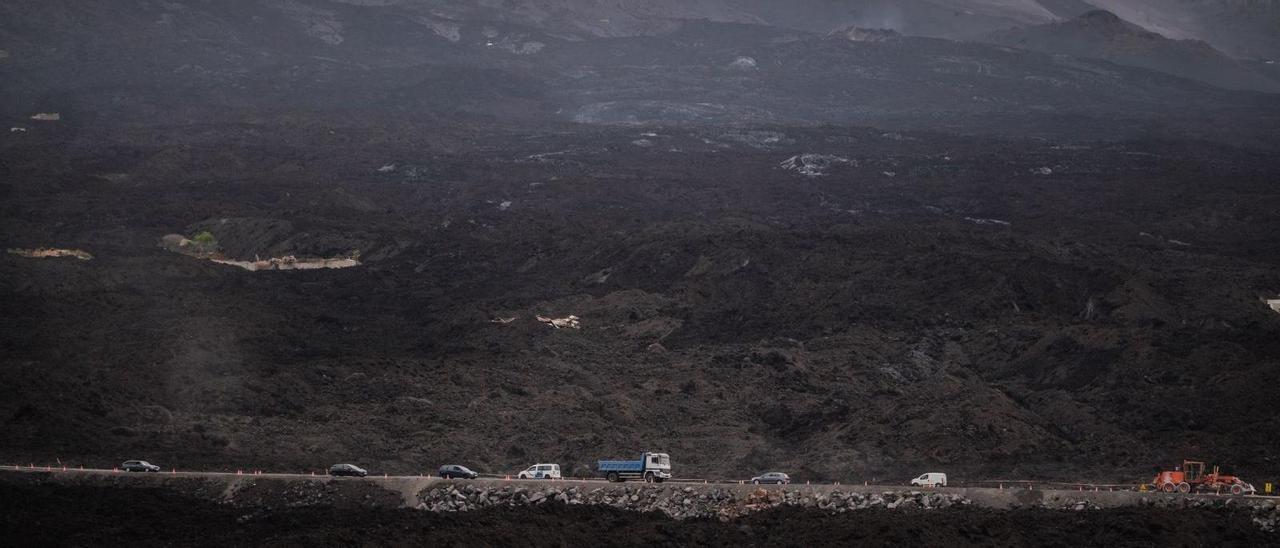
(17, 130)
(47, 117)
(504, 205)
(1043, 171)
(389, 168)
(812, 165)
(642, 143)
(289, 262)
(978, 221)
(743, 63)
(50, 253)
(567, 322)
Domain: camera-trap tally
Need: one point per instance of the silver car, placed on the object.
(777, 478)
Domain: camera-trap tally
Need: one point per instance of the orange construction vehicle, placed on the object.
(1191, 477)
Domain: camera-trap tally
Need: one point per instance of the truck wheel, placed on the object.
(1184, 487)
(755, 482)
(613, 477)
(1168, 487)
(1237, 490)
(648, 477)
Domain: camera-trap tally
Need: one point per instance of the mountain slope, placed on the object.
(150, 62)
(1247, 29)
(1103, 35)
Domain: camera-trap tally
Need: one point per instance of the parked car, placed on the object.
(541, 471)
(777, 478)
(139, 466)
(931, 479)
(347, 470)
(450, 471)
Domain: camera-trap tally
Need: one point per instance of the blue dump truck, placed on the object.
(651, 467)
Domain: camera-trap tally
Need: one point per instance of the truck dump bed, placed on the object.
(620, 465)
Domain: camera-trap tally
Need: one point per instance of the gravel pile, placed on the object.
(1266, 514)
(678, 502)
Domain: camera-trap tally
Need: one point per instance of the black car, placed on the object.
(450, 471)
(347, 470)
(139, 466)
(772, 477)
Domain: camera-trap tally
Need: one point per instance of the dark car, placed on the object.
(450, 471)
(139, 466)
(347, 470)
(772, 477)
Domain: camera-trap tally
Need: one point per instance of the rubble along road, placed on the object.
(96, 508)
(678, 499)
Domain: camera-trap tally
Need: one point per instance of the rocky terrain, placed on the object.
(36, 509)
(679, 502)
(741, 316)
(853, 255)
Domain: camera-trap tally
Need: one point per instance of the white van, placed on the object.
(931, 479)
(541, 471)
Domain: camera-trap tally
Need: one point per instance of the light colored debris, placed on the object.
(812, 165)
(975, 220)
(504, 320)
(289, 262)
(445, 29)
(49, 253)
(598, 277)
(1179, 242)
(1274, 304)
(546, 156)
(743, 63)
(504, 205)
(389, 168)
(567, 322)
(869, 35)
(47, 117)
(642, 143)
(1043, 171)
